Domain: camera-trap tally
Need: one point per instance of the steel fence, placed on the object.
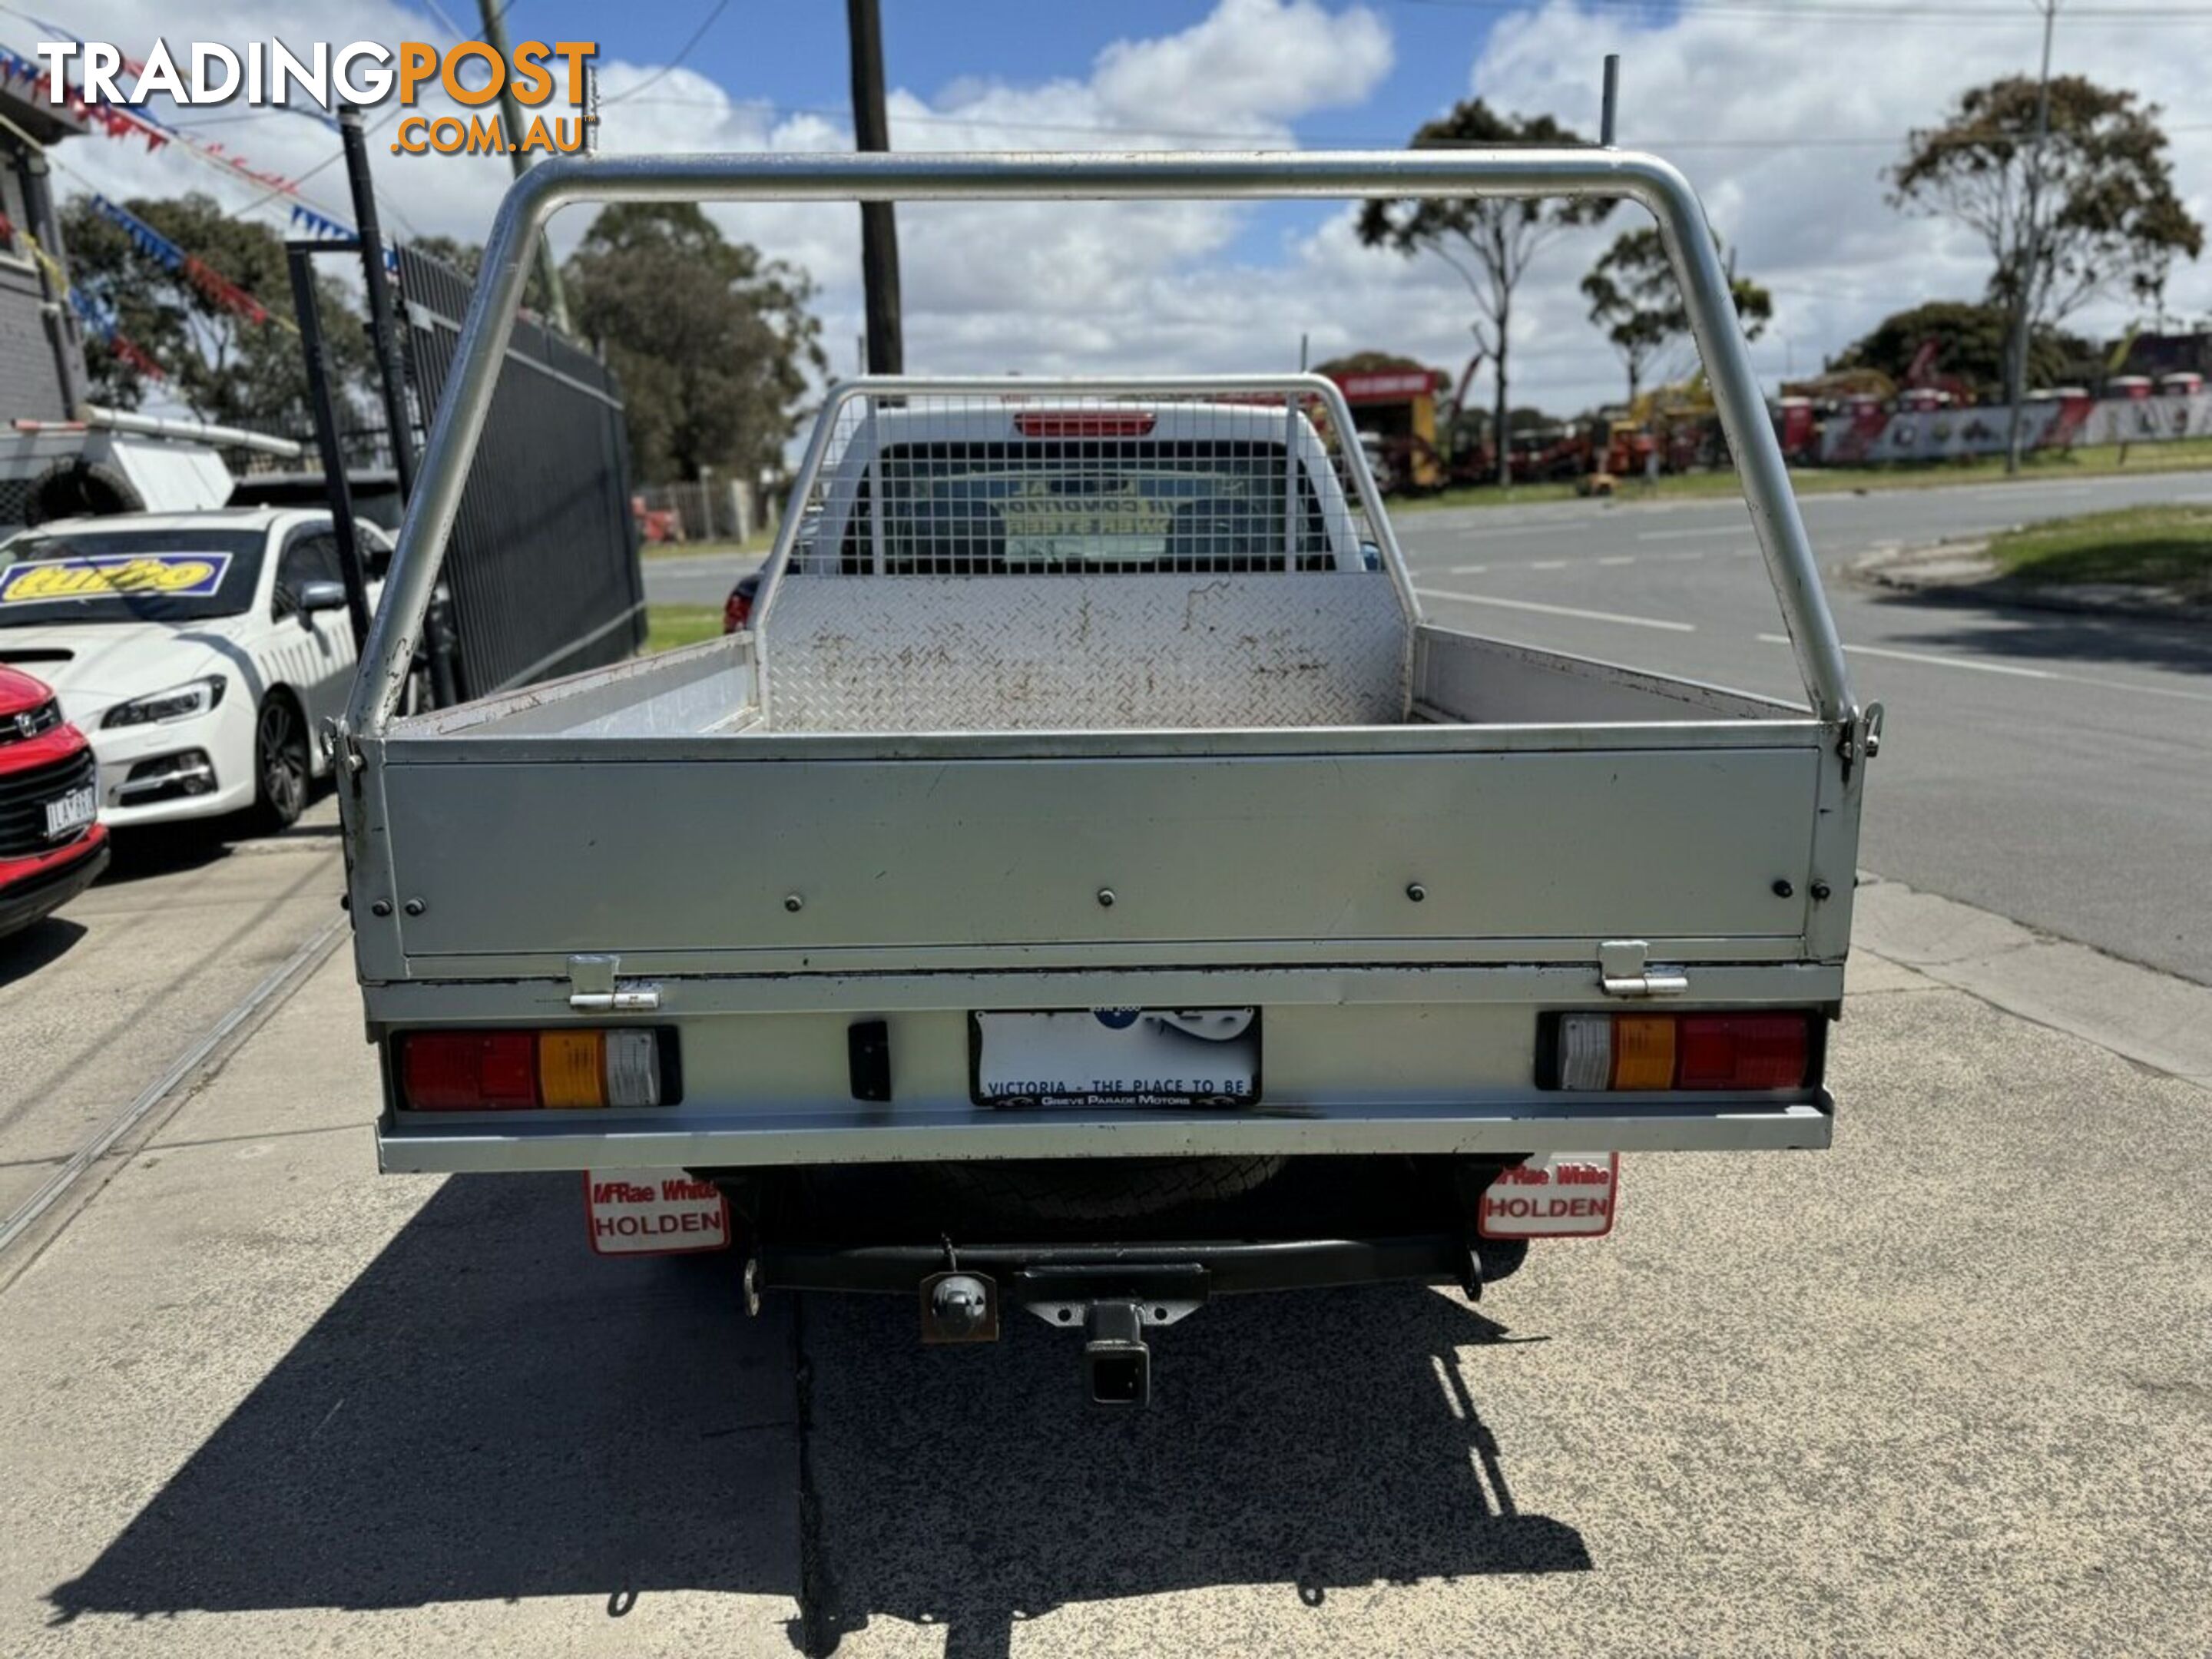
(543, 567)
(700, 510)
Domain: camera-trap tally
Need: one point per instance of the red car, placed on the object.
(52, 845)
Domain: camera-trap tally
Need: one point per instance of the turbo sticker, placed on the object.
(113, 575)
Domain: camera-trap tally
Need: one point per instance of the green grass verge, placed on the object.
(2165, 547)
(668, 626)
(2101, 460)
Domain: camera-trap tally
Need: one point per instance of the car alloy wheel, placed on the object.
(280, 761)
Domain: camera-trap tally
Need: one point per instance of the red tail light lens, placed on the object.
(1677, 1051)
(469, 1071)
(737, 610)
(1742, 1051)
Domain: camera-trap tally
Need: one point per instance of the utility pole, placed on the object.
(494, 13)
(2031, 256)
(879, 228)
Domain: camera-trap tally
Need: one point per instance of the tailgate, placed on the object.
(746, 861)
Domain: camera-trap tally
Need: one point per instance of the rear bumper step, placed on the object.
(768, 1139)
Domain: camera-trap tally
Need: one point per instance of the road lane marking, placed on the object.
(1931, 658)
(1709, 530)
(2015, 668)
(1558, 610)
(1545, 564)
(1468, 570)
(1618, 558)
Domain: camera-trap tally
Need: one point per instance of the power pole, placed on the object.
(879, 228)
(2024, 286)
(495, 33)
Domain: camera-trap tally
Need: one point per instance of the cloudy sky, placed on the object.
(1783, 112)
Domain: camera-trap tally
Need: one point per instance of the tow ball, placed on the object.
(959, 1306)
(1113, 1304)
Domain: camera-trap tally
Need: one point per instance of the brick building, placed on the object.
(41, 349)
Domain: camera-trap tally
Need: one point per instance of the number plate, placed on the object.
(69, 813)
(1116, 1057)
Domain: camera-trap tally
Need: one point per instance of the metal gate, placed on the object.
(542, 567)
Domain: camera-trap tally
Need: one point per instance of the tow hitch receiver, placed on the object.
(1116, 1358)
(1115, 1302)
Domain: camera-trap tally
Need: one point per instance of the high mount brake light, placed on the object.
(561, 1069)
(1084, 422)
(1678, 1051)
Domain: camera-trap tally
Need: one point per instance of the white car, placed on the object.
(200, 652)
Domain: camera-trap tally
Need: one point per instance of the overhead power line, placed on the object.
(1344, 141)
(698, 34)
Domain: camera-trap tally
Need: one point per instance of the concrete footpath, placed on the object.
(1943, 1389)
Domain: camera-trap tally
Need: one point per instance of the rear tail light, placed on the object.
(737, 610)
(562, 1069)
(1743, 1051)
(1678, 1051)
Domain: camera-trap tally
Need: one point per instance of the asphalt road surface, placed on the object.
(1939, 1390)
(2056, 769)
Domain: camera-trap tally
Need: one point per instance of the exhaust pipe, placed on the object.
(1116, 1361)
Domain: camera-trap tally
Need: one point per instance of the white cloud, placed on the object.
(1806, 212)
(1157, 287)
(1032, 285)
(1249, 60)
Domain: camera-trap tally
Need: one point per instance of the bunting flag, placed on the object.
(224, 292)
(103, 325)
(56, 32)
(202, 275)
(47, 263)
(115, 122)
(143, 237)
(318, 224)
(123, 347)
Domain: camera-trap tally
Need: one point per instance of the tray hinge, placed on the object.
(592, 989)
(1622, 972)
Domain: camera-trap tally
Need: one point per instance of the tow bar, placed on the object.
(1116, 1295)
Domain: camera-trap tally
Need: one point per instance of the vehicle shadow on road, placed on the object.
(1312, 1441)
(487, 1413)
(1987, 624)
(50, 940)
